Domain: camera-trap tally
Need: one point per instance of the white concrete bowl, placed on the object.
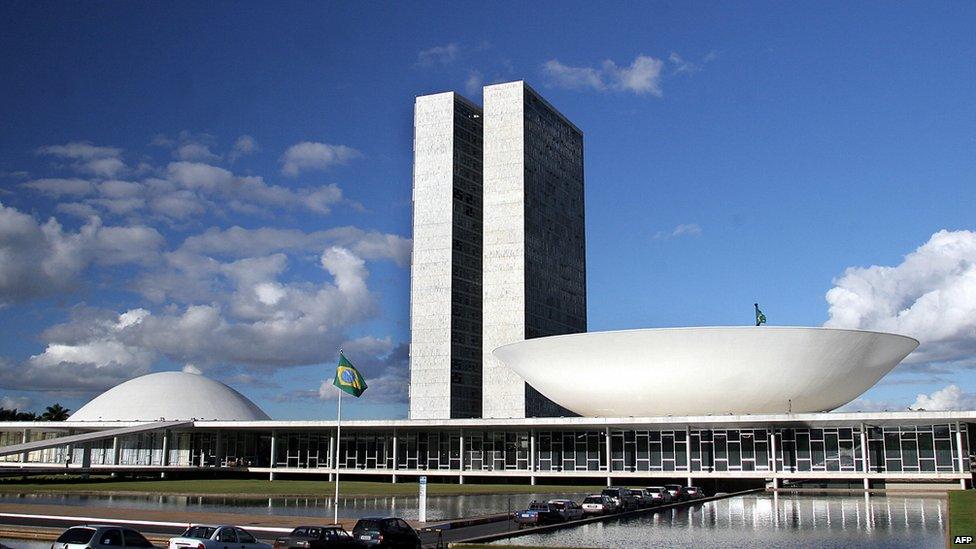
(709, 370)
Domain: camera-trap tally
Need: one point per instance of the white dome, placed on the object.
(700, 371)
(170, 396)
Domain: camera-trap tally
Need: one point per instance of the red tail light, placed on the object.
(380, 537)
(201, 546)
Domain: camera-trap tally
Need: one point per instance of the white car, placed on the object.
(202, 536)
(100, 537)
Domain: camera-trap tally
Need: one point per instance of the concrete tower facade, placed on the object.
(534, 281)
(446, 273)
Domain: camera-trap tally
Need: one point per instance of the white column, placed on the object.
(164, 458)
(461, 472)
(332, 456)
(772, 458)
(962, 456)
(218, 451)
(273, 457)
(609, 456)
(532, 457)
(865, 457)
(395, 456)
(116, 454)
(25, 439)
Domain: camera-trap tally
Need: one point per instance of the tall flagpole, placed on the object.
(338, 427)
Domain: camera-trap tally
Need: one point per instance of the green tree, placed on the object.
(55, 413)
(14, 415)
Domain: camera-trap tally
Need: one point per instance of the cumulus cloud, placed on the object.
(38, 259)
(239, 242)
(88, 158)
(950, 397)
(684, 229)
(309, 155)
(243, 146)
(197, 152)
(58, 187)
(442, 55)
(642, 77)
(930, 295)
(15, 403)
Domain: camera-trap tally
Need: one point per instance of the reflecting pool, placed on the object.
(438, 507)
(770, 520)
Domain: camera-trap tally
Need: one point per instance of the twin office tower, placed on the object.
(499, 251)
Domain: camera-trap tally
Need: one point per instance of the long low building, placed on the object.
(875, 449)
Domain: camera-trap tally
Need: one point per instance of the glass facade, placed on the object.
(466, 261)
(555, 240)
(890, 449)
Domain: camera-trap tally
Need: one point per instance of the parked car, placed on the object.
(677, 491)
(317, 537)
(538, 513)
(386, 532)
(694, 492)
(598, 504)
(659, 495)
(205, 536)
(569, 509)
(98, 537)
(643, 498)
(622, 497)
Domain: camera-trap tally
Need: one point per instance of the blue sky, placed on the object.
(230, 183)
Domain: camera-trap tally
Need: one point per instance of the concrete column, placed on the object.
(86, 451)
(461, 472)
(959, 452)
(332, 456)
(25, 439)
(865, 457)
(164, 459)
(775, 483)
(687, 451)
(532, 457)
(690, 482)
(772, 458)
(395, 456)
(273, 457)
(609, 455)
(116, 452)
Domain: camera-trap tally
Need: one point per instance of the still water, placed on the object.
(767, 520)
(438, 507)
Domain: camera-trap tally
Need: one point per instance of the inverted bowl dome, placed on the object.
(702, 371)
(170, 396)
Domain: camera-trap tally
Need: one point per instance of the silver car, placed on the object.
(100, 537)
(202, 536)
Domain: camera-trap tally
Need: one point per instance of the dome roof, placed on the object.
(170, 396)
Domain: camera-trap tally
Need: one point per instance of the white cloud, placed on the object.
(15, 403)
(309, 155)
(82, 150)
(244, 145)
(950, 397)
(443, 55)
(681, 66)
(90, 159)
(41, 259)
(474, 83)
(196, 152)
(191, 369)
(930, 295)
(684, 229)
(643, 76)
(61, 187)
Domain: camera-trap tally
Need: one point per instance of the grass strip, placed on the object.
(962, 513)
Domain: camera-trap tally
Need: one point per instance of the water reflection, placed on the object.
(438, 507)
(772, 520)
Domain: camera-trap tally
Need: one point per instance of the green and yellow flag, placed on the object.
(760, 317)
(348, 378)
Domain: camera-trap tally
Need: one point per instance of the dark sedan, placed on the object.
(317, 537)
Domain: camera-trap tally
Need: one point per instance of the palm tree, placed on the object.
(55, 413)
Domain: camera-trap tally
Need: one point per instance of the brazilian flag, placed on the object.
(760, 317)
(348, 378)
